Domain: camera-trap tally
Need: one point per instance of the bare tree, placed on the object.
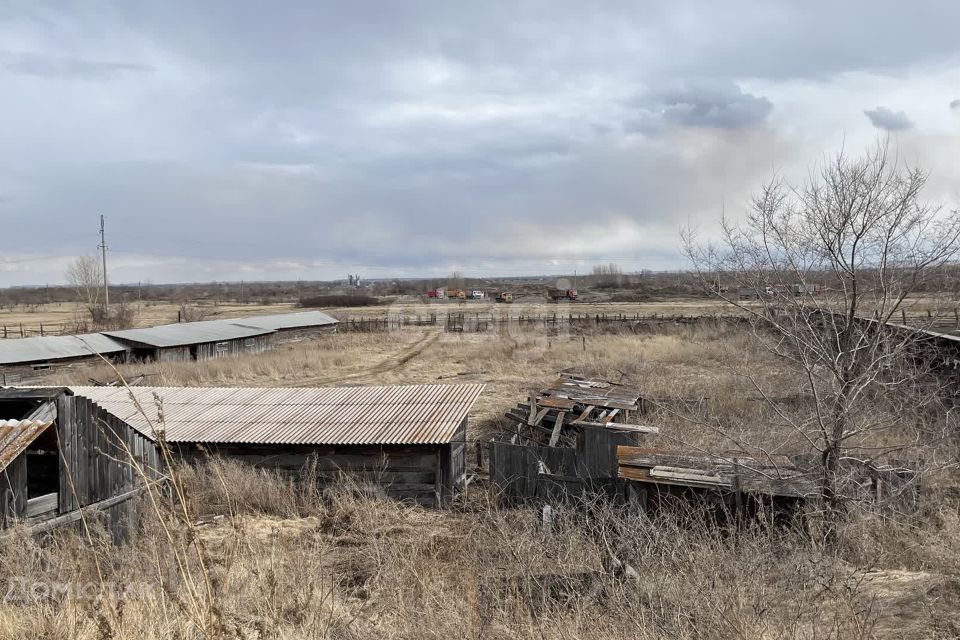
(85, 275)
(826, 268)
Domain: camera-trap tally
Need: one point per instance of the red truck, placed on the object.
(556, 295)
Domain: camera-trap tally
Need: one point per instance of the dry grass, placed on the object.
(287, 563)
(694, 361)
(283, 560)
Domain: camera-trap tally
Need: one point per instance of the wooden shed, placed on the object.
(62, 455)
(407, 440)
(186, 341)
(23, 358)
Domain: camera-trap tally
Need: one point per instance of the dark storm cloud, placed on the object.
(888, 120)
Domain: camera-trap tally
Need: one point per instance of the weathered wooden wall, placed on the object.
(303, 333)
(407, 473)
(232, 348)
(13, 491)
(522, 473)
(100, 455)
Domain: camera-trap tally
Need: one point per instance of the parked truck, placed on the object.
(504, 296)
(436, 293)
(556, 295)
(456, 294)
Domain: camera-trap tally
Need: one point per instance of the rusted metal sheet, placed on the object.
(16, 436)
(414, 414)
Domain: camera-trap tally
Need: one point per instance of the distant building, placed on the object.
(20, 357)
(292, 326)
(186, 341)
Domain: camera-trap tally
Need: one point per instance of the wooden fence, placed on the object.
(479, 322)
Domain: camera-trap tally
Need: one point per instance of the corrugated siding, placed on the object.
(187, 333)
(300, 320)
(16, 436)
(415, 414)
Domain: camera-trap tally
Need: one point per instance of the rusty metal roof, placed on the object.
(185, 333)
(381, 415)
(16, 436)
(49, 348)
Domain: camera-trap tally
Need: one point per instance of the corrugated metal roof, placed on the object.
(415, 414)
(47, 348)
(16, 436)
(297, 320)
(185, 333)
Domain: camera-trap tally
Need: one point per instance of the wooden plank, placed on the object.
(610, 416)
(674, 473)
(533, 409)
(42, 504)
(586, 412)
(557, 426)
(616, 426)
(540, 416)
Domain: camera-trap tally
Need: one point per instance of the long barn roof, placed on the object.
(186, 333)
(381, 415)
(298, 320)
(47, 348)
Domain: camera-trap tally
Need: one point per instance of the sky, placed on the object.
(227, 140)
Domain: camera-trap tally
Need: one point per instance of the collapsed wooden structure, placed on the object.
(655, 476)
(580, 438)
(565, 440)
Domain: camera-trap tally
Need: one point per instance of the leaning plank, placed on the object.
(557, 426)
(586, 412)
(540, 416)
(616, 426)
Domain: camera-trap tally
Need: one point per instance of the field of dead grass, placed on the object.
(705, 361)
(258, 557)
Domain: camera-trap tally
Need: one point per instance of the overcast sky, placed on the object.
(264, 140)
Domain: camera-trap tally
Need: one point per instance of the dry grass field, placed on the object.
(66, 316)
(242, 553)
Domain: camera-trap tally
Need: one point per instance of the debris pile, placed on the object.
(555, 415)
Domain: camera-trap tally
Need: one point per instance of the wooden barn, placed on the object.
(293, 327)
(407, 440)
(186, 341)
(62, 456)
(21, 358)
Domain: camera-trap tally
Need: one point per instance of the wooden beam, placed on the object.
(616, 426)
(557, 426)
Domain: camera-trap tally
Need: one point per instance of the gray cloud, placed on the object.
(955, 104)
(65, 67)
(888, 120)
(724, 106)
(418, 134)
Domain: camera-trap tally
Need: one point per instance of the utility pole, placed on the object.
(103, 250)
